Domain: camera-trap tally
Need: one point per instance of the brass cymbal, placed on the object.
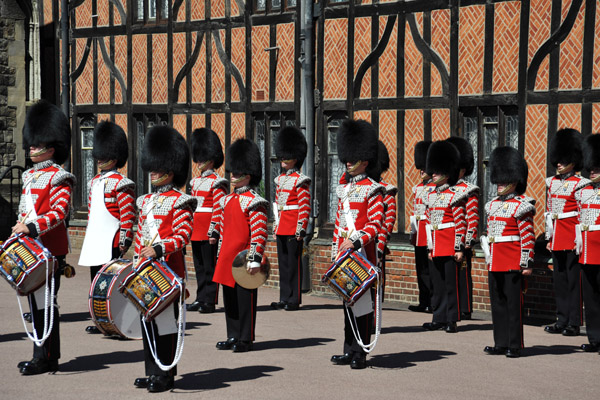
(243, 277)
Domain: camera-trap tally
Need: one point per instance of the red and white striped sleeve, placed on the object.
(258, 232)
(472, 209)
(218, 193)
(460, 227)
(303, 209)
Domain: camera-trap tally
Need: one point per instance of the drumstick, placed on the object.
(22, 220)
(150, 244)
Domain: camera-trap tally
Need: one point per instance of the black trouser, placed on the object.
(289, 255)
(465, 283)
(166, 346)
(205, 259)
(567, 288)
(591, 299)
(116, 253)
(445, 291)
(506, 296)
(423, 266)
(363, 326)
(50, 350)
(240, 312)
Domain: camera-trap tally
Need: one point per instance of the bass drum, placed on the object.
(112, 313)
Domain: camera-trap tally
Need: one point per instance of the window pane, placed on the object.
(275, 4)
(512, 131)
(151, 9)
(490, 142)
(259, 138)
(140, 172)
(140, 9)
(470, 124)
(291, 3)
(87, 161)
(274, 167)
(261, 5)
(336, 168)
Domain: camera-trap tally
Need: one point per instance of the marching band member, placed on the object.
(242, 226)
(111, 215)
(509, 254)
(164, 229)
(445, 234)
(588, 242)
(208, 189)
(43, 209)
(359, 219)
(566, 156)
(418, 222)
(291, 210)
(471, 205)
(389, 206)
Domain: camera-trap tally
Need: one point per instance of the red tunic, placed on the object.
(243, 225)
(292, 191)
(420, 193)
(208, 189)
(389, 205)
(444, 207)
(172, 210)
(51, 188)
(507, 216)
(120, 203)
(588, 199)
(365, 199)
(471, 206)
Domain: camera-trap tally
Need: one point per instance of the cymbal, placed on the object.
(243, 277)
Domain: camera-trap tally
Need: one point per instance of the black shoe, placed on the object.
(27, 317)
(571, 330)
(93, 329)
(161, 383)
(513, 353)
(39, 366)
(242, 346)
(359, 361)
(195, 306)
(22, 364)
(465, 316)
(278, 305)
(590, 347)
(344, 359)
(451, 327)
(207, 309)
(433, 326)
(495, 351)
(418, 308)
(291, 307)
(227, 344)
(141, 383)
(554, 328)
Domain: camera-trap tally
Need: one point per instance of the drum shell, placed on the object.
(152, 287)
(112, 313)
(350, 276)
(23, 264)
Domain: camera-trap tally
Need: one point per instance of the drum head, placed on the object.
(243, 277)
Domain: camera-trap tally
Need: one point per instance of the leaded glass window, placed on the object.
(88, 165)
(336, 167)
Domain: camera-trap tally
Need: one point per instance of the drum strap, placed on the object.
(378, 294)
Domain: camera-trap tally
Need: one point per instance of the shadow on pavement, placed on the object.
(401, 329)
(290, 343)
(222, 377)
(96, 362)
(556, 350)
(406, 359)
(474, 327)
(9, 337)
(76, 317)
(195, 325)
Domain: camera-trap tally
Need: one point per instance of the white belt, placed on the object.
(439, 227)
(503, 239)
(578, 235)
(287, 208)
(564, 215)
(204, 209)
(590, 228)
(435, 227)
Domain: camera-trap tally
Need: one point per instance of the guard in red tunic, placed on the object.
(243, 226)
(471, 205)
(418, 222)
(358, 222)
(389, 211)
(164, 229)
(566, 156)
(508, 247)
(43, 209)
(588, 242)
(208, 189)
(446, 231)
(111, 203)
(291, 210)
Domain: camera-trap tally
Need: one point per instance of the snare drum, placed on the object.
(23, 263)
(350, 276)
(151, 286)
(110, 311)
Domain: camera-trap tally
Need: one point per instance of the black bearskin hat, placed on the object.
(565, 148)
(507, 165)
(443, 158)
(206, 146)
(591, 152)
(290, 144)
(467, 161)
(165, 150)
(384, 157)
(243, 158)
(110, 143)
(46, 123)
(421, 154)
(357, 141)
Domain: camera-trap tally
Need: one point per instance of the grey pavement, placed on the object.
(291, 357)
